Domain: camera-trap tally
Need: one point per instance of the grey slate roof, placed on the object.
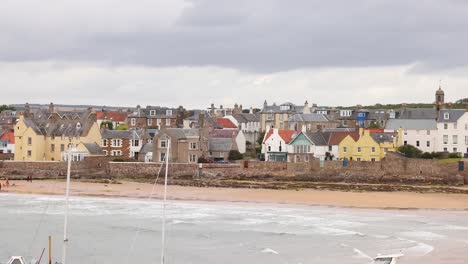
(454, 115)
(411, 124)
(416, 113)
(160, 112)
(277, 108)
(67, 124)
(181, 133)
(308, 118)
(246, 117)
(118, 134)
(220, 144)
(93, 148)
(382, 137)
(318, 138)
(148, 147)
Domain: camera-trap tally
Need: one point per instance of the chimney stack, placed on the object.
(51, 107)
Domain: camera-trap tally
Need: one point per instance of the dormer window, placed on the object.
(152, 112)
(168, 112)
(446, 116)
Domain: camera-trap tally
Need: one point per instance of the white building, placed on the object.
(421, 133)
(275, 144)
(452, 125)
(249, 124)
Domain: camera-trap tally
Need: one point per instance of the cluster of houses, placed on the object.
(284, 132)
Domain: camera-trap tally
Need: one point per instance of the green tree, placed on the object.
(6, 107)
(260, 138)
(235, 155)
(108, 125)
(122, 127)
(410, 151)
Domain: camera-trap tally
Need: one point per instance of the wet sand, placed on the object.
(393, 200)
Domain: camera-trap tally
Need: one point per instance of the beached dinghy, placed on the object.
(16, 260)
(389, 259)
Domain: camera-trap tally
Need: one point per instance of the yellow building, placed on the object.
(46, 135)
(370, 146)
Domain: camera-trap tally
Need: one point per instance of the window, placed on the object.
(116, 142)
(455, 139)
(270, 116)
(29, 153)
(136, 142)
(466, 139)
(445, 140)
(373, 149)
(158, 121)
(163, 144)
(193, 145)
(417, 143)
(105, 152)
(29, 141)
(168, 112)
(149, 121)
(455, 126)
(428, 143)
(455, 149)
(358, 159)
(372, 159)
(133, 121)
(162, 156)
(330, 148)
(104, 142)
(359, 149)
(298, 158)
(210, 153)
(446, 116)
(466, 126)
(405, 143)
(345, 149)
(152, 112)
(116, 153)
(405, 132)
(52, 147)
(269, 148)
(168, 121)
(428, 132)
(221, 155)
(193, 158)
(445, 149)
(280, 148)
(62, 147)
(445, 126)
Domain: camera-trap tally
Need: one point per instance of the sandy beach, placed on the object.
(394, 200)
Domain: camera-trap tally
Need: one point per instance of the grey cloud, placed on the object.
(262, 36)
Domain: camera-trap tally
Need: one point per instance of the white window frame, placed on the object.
(446, 116)
(168, 112)
(193, 158)
(152, 112)
(133, 121)
(373, 149)
(116, 143)
(445, 139)
(161, 155)
(168, 121)
(161, 143)
(359, 149)
(104, 143)
(455, 139)
(193, 145)
(149, 121)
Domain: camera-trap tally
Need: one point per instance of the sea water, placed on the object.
(105, 230)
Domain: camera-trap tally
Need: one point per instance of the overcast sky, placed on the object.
(195, 52)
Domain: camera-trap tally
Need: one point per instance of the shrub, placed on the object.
(410, 151)
(118, 160)
(122, 127)
(427, 155)
(454, 156)
(235, 155)
(204, 159)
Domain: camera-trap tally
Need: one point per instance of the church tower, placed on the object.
(439, 100)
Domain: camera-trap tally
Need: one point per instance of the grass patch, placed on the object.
(448, 161)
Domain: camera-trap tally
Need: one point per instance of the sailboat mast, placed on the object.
(65, 224)
(163, 235)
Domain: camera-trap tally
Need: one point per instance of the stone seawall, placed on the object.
(393, 169)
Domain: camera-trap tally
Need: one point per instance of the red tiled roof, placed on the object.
(112, 116)
(225, 122)
(375, 130)
(8, 136)
(286, 135)
(337, 137)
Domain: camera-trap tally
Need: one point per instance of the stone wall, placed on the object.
(6, 156)
(393, 169)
